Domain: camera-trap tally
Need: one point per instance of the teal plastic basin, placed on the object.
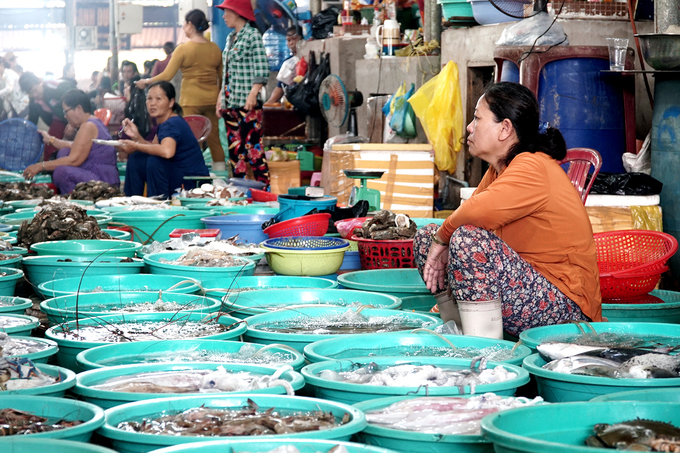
(258, 445)
(90, 248)
(537, 335)
(11, 305)
(177, 351)
(158, 224)
(69, 349)
(14, 263)
(8, 282)
(412, 441)
(118, 234)
(249, 303)
(422, 303)
(78, 306)
(299, 341)
(350, 393)
(667, 312)
(107, 399)
(40, 356)
(131, 442)
(120, 283)
(19, 204)
(422, 221)
(57, 390)
(563, 428)
(41, 269)
(22, 444)
(557, 387)
(55, 409)
(196, 272)
(17, 218)
(28, 323)
(406, 344)
(669, 395)
(397, 282)
(219, 287)
(186, 201)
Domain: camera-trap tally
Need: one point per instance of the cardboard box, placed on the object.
(407, 186)
(283, 175)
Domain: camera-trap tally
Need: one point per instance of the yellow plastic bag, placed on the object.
(439, 107)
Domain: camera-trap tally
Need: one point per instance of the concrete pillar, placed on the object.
(314, 7)
(666, 14)
(433, 21)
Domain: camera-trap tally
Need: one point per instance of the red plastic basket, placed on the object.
(631, 261)
(262, 195)
(386, 254)
(309, 225)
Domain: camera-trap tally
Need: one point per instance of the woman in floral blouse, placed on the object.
(246, 71)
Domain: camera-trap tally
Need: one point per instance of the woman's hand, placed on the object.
(251, 101)
(127, 146)
(46, 137)
(33, 170)
(218, 106)
(434, 271)
(142, 83)
(130, 129)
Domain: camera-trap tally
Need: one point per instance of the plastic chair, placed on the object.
(580, 160)
(20, 144)
(200, 126)
(104, 115)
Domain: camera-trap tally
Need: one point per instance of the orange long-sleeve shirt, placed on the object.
(201, 65)
(533, 207)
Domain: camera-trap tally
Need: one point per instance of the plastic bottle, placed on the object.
(276, 49)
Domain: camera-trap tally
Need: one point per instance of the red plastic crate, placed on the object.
(387, 254)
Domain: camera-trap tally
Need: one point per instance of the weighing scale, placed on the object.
(363, 192)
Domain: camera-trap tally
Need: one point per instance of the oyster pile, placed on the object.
(386, 225)
(219, 190)
(23, 191)
(56, 223)
(94, 191)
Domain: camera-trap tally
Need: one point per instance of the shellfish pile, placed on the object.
(55, 223)
(23, 191)
(14, 421)
(94, 191)
(386, 225)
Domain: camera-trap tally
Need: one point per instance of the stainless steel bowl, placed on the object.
(661, 51)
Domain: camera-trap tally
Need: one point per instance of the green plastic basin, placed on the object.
(40, 356)
(158, 224)
(557, 387)
(299, 341)
(41, 269)
(54, 409)
(177, 351)
(537, 335)
(78, 306)
(258, 445)
(8, 282)
(69, 349)
(58, 389)
(11, 305)
(120, 283)
(22, 444)
(196, 272)
(669, 395)
(406, 344)
(397, 282)
(563, 428)
(249, 303)
(131, 442)
(667, 312)
(412, 441)
(27, 324)
(107, 399)
(218, 287)
(350, 393)
(90, 248)
(118, 234)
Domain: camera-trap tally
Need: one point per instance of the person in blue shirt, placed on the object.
(174, 153)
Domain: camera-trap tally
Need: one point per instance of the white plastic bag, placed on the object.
(525, 32)
(287, 72)
(640, 162)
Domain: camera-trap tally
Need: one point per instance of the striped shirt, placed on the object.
(245, 63)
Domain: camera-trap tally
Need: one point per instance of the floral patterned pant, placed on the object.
(244, 131)
(483, 267)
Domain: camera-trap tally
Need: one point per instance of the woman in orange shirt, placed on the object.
(524, 236)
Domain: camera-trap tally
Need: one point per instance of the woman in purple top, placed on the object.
(81, 160)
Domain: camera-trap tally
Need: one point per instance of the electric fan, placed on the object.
(337, 104)
(520, 9)
(279, 14)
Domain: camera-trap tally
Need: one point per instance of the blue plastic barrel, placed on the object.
(276, 49)
(666, 154)
(586, 106)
